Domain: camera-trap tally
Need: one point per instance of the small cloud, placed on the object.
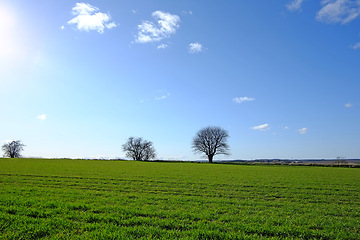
(338, 11)
(165, 27)
(262, 127)
(286, 128)
(163, 96)
(89, 18)
(41, 117)
(195, 48)
(294, 5)
(243, 99)
(187, 12)
(110, 25)
(62, 27)
(302, 131)
(348, 105)
(162, 46)
(134, 11)
(356, 46)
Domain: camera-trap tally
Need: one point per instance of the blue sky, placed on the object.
(79, 78)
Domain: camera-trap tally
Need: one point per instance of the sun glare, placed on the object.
(8, 29)
(7, 19)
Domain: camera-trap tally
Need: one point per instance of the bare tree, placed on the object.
(13, 149)
(139, 149)
(211, 141)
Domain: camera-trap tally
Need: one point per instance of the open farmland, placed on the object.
(83, 199)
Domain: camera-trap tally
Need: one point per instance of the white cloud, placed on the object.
(163, 96)
(165, 27)
(295, 5)
(302, 130)
(243, 99)
(187, 12)
(162, 46)
(348, 105)
(338, 11)
(89, 18)
(41, 117)
(261, 127)
(195, 48)
(62, 27)
(356, 46)
(110, 25)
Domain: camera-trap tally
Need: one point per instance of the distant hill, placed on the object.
(298, 161)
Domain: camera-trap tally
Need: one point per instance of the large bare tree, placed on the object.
(139, 149)
(211, 141)
(13, 149)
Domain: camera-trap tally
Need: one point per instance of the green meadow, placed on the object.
(92, 199)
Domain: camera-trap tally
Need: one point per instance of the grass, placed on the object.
(84, 199)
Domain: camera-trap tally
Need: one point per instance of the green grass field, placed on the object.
(85, 199)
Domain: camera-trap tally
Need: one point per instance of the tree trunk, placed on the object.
(210, 157)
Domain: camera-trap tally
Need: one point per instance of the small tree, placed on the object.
(139, 149)
(341, 161)
(211, 141)
(13, 149)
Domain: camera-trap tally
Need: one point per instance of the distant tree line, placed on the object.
(210, 141)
